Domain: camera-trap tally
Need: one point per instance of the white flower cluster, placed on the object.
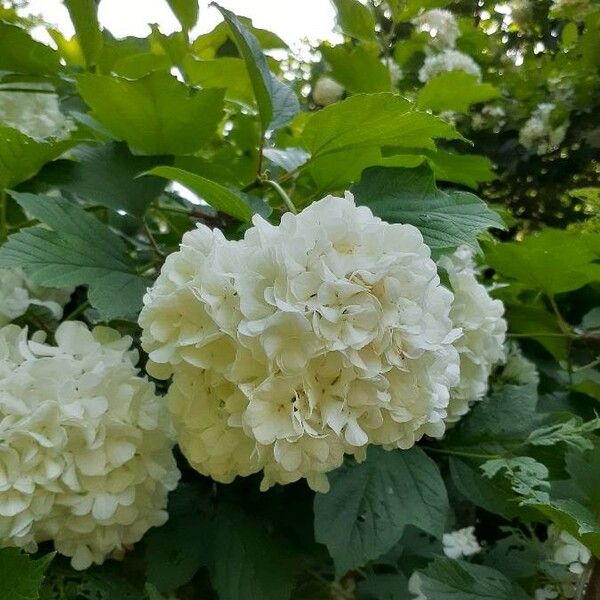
(572, 9)
(17, 293)
(538, 134)
(461, 542)
(302, 342)
(447, 61)
(490, 116)
(567, 551)
(441, 25)
(480, 318)
(85, 457)
(37, 115)
(517, 369)
(327, 91)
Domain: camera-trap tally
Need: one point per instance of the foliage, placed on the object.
(100, 206)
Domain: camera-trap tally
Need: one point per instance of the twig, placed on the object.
(286, 199)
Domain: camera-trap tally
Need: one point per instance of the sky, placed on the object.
(292, 20)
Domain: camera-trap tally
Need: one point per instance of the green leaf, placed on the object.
(552, 261)
(591, 320)
(247, 563)
(21, 576)
(455, 91)
(481, 491)
(403, 10)
(21, 157)
(384, 587)
(218, 196)
(107, 175)
(226, 72)
(369, 505)
(528, 477)
(174, 552)
(372, 120)
(186, 12)
(289, 159)
(500, 422)
(155, 114)
(446, 220)
(80, 251)
(355, 20)
(20, 53)
(357, 68)
(277, 103)
(84, 14)
(447, 579)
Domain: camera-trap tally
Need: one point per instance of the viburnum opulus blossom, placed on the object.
(85, 444)
(302, 342)
(480, 318)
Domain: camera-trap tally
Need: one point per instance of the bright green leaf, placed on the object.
(403, 10)
(22, 54)
(21, 157)
(84, 15)
(355, 19)
(289, 159)
(186, 12)
(20, 575)
(455, 91)
(446, 220)
(215, 194)
(155, 114)
(369, 505)
(372, 120)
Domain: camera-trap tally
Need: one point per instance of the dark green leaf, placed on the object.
(384, 587)
(446, 220)
(84, 14)
(277, 103)
(369, 504)
(20, 575)
(155, 114)
(79, 251)
(107, 175)
(447, 579)
(247, 563)
(215, 194)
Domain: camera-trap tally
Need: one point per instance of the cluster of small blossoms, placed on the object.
(441, 25)
(446, 61)
(37, 115)
(302, 342)
(489, 117)
(461, 542)
(327, 91)
(85, 444)
(564, 550)
(17, 293)
(306, 341)
(538, 134)
(517, 369)
(480, 318)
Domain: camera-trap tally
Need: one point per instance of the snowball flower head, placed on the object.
(481, 345)
(85, 444)
(327, 91)
(517, 369)
(538, 133)
(17, 293)
(37, 115)
(301, 342)
(441, 25)
(447, 61)
(568, 551)
(462, 542)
